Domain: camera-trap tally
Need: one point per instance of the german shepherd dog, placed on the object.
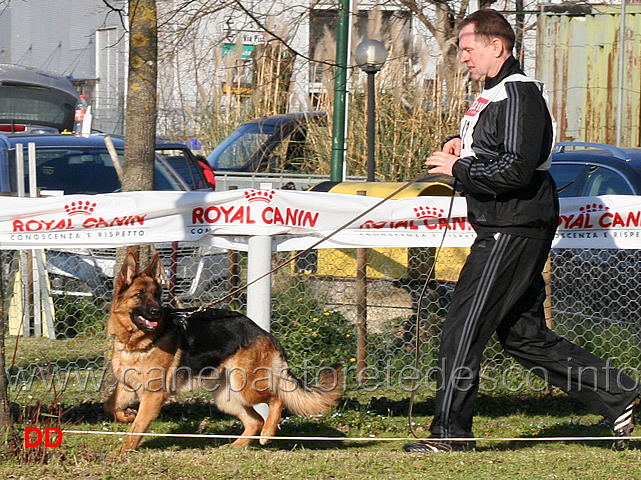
(159, 351)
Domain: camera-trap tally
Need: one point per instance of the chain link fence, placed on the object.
(369, 308)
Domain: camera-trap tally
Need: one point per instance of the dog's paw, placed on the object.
(126, 416)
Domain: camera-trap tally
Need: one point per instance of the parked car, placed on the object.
(582, 169)
(35, 101)
(585, 280)
(268, 144)
(271, 150)
(195, 171)
(69, 164)
(72, 164)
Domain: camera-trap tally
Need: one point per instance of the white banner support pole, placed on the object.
(259, 294)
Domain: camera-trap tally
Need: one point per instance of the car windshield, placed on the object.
(240, 146)
(85, 171)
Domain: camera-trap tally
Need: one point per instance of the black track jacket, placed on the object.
(511, 138)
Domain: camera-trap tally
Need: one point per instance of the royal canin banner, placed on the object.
(295, 220)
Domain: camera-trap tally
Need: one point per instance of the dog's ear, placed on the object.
(135, 251)
(127, 273)
(155, 269)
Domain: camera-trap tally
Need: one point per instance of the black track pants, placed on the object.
(501, 290)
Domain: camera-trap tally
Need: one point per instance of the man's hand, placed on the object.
(453, 146)
(442, 162)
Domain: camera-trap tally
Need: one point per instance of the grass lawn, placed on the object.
(530, 416)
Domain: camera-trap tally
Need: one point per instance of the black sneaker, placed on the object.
(436, 446)
(427, 446)
(623, 427)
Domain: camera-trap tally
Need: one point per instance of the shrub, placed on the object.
(312, 336)
(78, 315)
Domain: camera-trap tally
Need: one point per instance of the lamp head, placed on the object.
(370, 55)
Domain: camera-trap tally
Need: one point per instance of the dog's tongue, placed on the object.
(146, 322)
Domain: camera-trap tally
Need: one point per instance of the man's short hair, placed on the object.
(489, 23)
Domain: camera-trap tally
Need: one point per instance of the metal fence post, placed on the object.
(361, 310)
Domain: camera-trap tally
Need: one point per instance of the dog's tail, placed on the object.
(303, 399)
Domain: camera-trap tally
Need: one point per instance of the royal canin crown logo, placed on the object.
(80, 208)
(594, 208)
(259, 195)
(428, 212)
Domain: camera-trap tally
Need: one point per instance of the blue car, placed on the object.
(270, 144)
(71, 164)
(583, 169)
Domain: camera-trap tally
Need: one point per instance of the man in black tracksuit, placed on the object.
(501, 159)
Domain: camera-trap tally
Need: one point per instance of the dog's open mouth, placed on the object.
(144, 323)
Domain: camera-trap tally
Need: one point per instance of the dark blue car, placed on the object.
(270, 144)
(71, 164)
(589, 169)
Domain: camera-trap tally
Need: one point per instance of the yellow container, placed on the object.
(389, 263)
(383, 189)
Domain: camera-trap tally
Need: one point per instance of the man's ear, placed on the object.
(498, 47)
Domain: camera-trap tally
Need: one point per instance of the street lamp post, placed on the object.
(370, 56)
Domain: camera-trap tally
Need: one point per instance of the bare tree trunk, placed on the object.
(140, 122)
(5, 411)
(142, 109)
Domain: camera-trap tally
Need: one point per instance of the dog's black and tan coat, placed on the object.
(158, 351)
